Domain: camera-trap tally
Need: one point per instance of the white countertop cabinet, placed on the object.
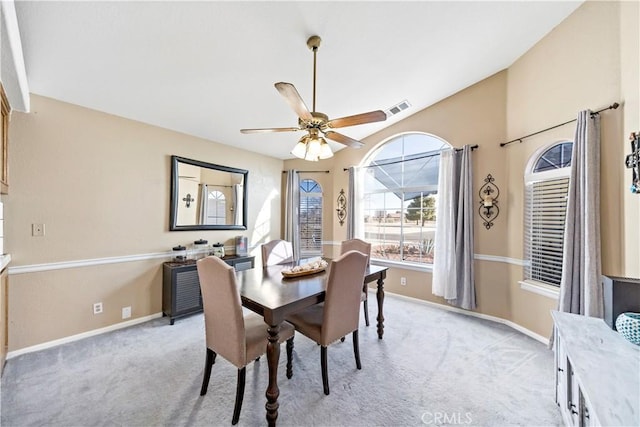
(597, 373)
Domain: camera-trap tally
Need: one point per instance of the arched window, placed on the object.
(310, 218)
(216, 208)
(400, 195)
(546, 187)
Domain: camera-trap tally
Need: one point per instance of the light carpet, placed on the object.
(433, 367)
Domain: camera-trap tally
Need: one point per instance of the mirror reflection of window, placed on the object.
(216, 208)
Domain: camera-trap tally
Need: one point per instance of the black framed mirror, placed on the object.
(206, 196)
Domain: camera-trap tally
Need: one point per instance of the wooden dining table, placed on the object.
(266, 292)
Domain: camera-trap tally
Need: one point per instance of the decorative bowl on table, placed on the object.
(305, 269)
(628, 325)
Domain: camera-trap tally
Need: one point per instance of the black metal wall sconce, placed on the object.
(342, 207)
(188, 200)
(489, 209)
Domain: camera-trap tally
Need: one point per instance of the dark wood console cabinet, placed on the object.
(181, 287)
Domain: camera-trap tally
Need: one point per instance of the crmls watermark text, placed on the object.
(450, 418)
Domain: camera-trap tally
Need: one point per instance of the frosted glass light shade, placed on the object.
(300, 150)
(325, 150)
(314, 147)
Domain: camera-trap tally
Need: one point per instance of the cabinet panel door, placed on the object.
(187, 295)
(573, 396)
(561, 373)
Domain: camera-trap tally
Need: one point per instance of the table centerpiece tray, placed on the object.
(291, 274)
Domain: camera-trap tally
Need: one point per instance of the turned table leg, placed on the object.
(273, 356)
(380, 298)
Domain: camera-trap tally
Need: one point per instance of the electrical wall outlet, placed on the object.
(37, 230)
(403, 281)
(126, 312)
(97, 308)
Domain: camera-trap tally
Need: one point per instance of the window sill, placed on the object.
(404, 265)
(540, 289)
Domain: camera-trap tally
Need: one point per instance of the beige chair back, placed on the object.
(277, 252)
(356, 245)
(223, 319)
(342, 300)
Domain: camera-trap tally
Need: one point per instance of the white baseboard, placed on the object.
(83, 335)
(509, 323)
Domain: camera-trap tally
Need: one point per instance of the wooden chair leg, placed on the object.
(323, 364)
(289, 357)
(239, 395)
(209, 361)
(356, 349)
(366, 311)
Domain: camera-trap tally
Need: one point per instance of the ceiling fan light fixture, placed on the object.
(312, 148)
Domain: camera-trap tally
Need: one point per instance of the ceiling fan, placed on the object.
(312, 146)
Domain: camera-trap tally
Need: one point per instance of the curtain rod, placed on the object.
(473, 147)
(610, 107)
(309, 171)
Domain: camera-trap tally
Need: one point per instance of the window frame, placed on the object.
(426, 190)
(219, 205)
(305, 251)
(531, 178)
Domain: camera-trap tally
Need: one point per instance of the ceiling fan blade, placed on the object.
(267, 130)
(293, 98)
(358, 119)
(343, 139)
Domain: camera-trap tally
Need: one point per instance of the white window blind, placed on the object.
(545, 213)
(310, 219)
(310, 225)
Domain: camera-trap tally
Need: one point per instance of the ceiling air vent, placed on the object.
(398, 108)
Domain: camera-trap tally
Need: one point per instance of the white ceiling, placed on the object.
(208, 68)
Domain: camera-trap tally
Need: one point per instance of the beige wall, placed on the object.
(571, 70)
(629, 95)
(100, 184)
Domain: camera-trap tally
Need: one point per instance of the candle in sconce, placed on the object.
(488, 201)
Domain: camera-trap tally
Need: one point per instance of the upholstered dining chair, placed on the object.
(365, 248)
(237, 337)
(338, 315)
(277, 252)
